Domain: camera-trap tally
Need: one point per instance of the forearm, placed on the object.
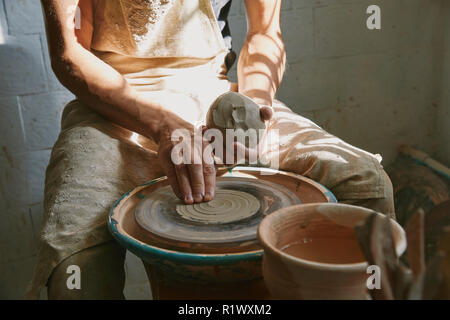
(261, 66)
(95, 83)
(106, 91)
(262, 58)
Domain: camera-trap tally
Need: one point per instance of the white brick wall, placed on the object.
(375, 89)
(31, 102)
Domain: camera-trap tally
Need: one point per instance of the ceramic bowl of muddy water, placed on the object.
(311, 252)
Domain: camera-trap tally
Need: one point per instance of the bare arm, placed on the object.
(94, 82)
(106, 91)
(262, 58)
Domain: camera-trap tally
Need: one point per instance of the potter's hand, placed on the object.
(243, 154)
(192, 178)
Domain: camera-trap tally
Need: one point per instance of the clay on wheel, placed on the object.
(227, 206)
(158, 213)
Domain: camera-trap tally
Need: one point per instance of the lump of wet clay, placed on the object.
(233, 110)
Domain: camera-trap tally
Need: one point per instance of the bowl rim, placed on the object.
(197, 258)
(349, 267)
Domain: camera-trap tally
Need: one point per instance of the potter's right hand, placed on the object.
(192, 181)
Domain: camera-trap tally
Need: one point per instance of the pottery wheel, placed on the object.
(227, 206)
(233, 215)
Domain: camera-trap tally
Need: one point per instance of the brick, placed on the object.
(236, 6)
(320, 3)
(309, 85)
(22, 177)
(24, 16)
(3, 24)
(22, 66)
(42, 116)
(379, 129)
(341, 30)
(297, 28)
(36, 163)
(232, 74)
(15, 278)
(298, 35)
(11, 129)
(238, 27)
(16, 236)
(37, 213)
(3, 205)
(313, 84)
(367, 100)
(442, 138)
(13, 180)
(242, 9)
(53, 82)
(286, 5)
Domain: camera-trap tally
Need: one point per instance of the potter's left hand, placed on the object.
(242, 154)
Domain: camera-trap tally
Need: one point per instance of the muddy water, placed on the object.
(326, 250)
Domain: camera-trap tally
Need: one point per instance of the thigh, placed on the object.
(305, 148)
(92, 164)
(101, 270)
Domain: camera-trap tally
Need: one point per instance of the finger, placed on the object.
(266, 113)
(197, 182)
(209, 175)
(183, 183)
(195, 170)
(172, 178)
(169, 170)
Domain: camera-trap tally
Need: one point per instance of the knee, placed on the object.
(386, 205)
(383, 204)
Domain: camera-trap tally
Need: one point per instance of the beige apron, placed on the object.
(170, 51)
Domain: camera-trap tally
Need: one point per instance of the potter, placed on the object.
(139, 77)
